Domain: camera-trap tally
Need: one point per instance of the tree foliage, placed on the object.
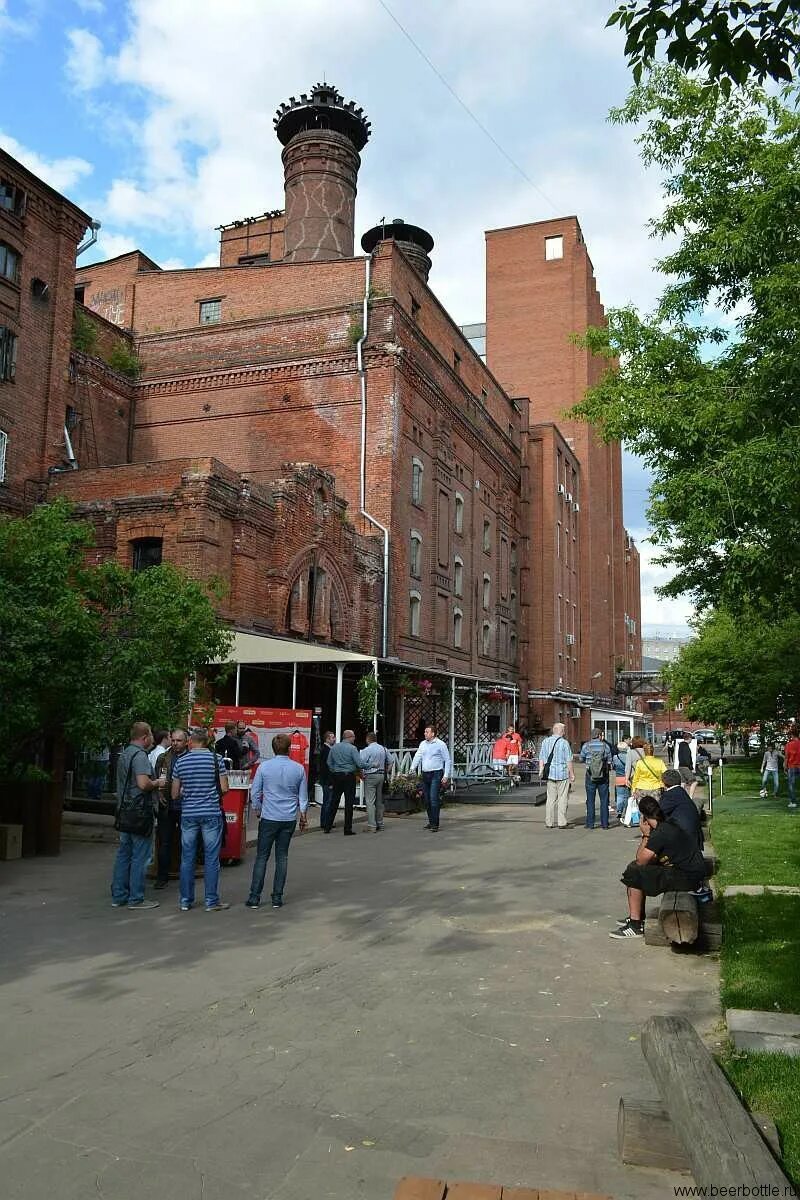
(739, 671)
(706, 388)
(728, 41)
(89, 649)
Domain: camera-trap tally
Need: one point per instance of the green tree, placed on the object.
(737, 671)
(705, 388)
(730, 41)
(88, 649)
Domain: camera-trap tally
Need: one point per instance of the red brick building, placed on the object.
(313, 427)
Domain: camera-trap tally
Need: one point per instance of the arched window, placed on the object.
(417, 469)
(415, 556)
(458, 576)
(487, 535)
(513, 557)
(414, 606)
(458, 625)
(486, 637)
(459, 513)
(487, 591)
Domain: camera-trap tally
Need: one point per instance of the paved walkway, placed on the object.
(444, 1005)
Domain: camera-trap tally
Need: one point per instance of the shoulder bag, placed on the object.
(545, 775)
(134, 813)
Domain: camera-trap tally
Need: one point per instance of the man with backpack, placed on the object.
(596, 754)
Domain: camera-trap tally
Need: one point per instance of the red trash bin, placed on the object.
(234, 843)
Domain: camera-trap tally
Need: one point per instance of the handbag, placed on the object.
(631, 815)
(545, 775)
(134, 814)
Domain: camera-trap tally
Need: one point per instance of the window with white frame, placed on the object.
(3, 447)
(416, 554)
(553, 247)
(487, 535)
(458, 576)
(459, 513)
(417, 469)
(486, 638)
(210, 312)
(458, 627)
(487, 591)
(414, 606)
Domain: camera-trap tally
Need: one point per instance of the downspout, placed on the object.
(362, 373)
(90, 241)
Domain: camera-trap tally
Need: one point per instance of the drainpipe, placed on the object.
(90, 241)
(362, 374)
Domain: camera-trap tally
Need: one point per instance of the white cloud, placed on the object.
(61, 173)
(655, 610)
(86, 64)
(91, 6)
(110, 244)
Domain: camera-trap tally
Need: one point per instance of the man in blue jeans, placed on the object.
(199, 781)
(134, 780)
(278, 794)
(433, 759)
(596, 754)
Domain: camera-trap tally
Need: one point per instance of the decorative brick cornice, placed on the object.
(252, 376)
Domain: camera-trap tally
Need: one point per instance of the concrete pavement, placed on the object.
(445, 1005)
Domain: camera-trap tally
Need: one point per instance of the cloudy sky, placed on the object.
(155, 116)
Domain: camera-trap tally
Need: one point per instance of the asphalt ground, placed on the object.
(436, 1004)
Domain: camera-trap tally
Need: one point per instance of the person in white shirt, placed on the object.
(433, 760)
(161, 746)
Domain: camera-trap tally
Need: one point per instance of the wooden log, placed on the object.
(646, 1136)
(678, 917)
(717, 1132)
(414, 1188)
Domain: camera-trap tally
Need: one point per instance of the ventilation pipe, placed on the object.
(362, 374)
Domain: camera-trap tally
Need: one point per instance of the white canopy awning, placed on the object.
(258, 648)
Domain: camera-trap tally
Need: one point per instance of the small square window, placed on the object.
(210, 312)
(553, 247)
(146, 553)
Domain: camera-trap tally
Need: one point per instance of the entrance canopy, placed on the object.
(258, 648)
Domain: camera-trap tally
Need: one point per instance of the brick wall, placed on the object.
(252, 237)
(33, 405)
(109, 288)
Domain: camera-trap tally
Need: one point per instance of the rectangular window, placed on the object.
(458, 624)
(553, 247)
(3, 446)
(456, 362)
(147, 553)
(8, 353)
(416, 481)
(12, 198)
(210, 312)
(487, 537)
(413, 614)
(9, 263)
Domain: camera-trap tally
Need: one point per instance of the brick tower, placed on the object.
(322, 136)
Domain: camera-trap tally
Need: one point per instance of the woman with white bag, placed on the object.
(644, 777)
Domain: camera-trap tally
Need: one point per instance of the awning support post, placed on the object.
(294, 685)
(402, 730)
(339, 685)
(375, 710)
(238, 680)
(476, 723)
(452, 716)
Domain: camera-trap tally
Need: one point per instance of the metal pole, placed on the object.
(402, 720)
(721, 778)
(710, 789)
(375, 710)
(294, 685)
(453, 717)
(238, 679)
(475, 725)
(339, 683)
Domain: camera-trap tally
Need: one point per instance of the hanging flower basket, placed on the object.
(494, 696)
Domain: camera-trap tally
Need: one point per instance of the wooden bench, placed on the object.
(415, 1188)
(684, 922)
(717, 1134)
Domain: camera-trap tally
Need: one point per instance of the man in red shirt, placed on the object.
(791, 763)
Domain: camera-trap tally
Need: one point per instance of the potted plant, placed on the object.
(403, 794)
(368, 689)
(495, 695)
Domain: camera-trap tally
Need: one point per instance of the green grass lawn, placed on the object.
(758, 841)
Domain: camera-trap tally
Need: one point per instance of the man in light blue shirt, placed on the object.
(375, 759)
(278, 793)
(433, 759)
(555, 758)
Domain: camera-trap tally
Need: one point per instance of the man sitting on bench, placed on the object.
(668, 860)
(678, 806)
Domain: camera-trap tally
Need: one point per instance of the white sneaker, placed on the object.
(792, 804)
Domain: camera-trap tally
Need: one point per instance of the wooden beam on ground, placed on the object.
(646, 1136)
(717, 1132)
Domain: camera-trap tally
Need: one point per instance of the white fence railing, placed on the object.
(474, 755)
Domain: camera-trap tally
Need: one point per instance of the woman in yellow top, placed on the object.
(647, 771)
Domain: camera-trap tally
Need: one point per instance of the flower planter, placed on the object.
(400, 803)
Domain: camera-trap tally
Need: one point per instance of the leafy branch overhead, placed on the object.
(727, 41)
(705, 388)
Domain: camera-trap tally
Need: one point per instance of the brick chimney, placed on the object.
(322, 136)
(415, 243)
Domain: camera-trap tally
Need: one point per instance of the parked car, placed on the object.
(706, 736)
(754, 741)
